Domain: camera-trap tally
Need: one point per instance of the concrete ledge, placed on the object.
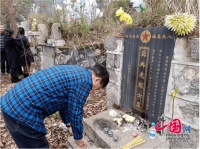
(185, 63)
(110, 52)
(95, 132)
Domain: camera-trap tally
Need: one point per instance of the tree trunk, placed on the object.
(12, 17)
(7, 23)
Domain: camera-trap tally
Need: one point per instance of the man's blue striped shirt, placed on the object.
(62, 88)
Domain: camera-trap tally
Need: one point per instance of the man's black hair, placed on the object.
(101, 72)
(9, 32)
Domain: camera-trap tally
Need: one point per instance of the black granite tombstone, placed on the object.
(146, 65)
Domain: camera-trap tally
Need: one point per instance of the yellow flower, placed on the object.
(123, 17)
(129, 19)
(119, 12)
(180, 23)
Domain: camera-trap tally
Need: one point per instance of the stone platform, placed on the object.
(98, 139)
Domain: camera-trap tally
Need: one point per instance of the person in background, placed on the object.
(13, 55)
(4, 61)
(25, 53)
(62, 88)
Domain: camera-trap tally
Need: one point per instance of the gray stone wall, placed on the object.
(37, 64)
(46, 56)
(184, 75)
(114, 49)
(194, 48)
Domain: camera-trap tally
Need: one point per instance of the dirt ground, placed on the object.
(57, 133)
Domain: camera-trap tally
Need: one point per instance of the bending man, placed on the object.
(62, 88)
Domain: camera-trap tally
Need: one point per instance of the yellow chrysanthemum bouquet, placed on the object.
(181, 23)
(138, 5)
(123, 16)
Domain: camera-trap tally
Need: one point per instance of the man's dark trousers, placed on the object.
(24, 136)
(4, 63)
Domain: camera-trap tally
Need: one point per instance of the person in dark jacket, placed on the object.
(25, 53)
(62, 88)
(13, 55)
(4, 61)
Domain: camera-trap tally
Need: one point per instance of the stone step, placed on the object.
(94, 131)
(72, 145)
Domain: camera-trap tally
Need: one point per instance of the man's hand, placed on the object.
(81, 143)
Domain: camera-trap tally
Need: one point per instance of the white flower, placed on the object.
(138, 4)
